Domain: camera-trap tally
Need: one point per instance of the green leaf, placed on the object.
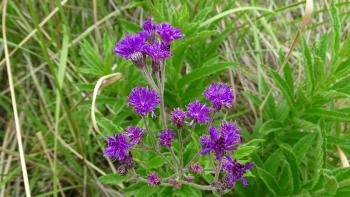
(129, 26)
(231, 11)
(285, 89)
(302, 147)
(112, 179)
(204, 72)
(269, 181)
(244, 151)
(336, 114)
(271, 126)
(154, 163)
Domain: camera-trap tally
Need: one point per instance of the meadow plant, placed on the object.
(148, 50)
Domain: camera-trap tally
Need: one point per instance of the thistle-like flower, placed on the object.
(117, 147)
(150, 28)
(196, 168)
(131, 48)
(134, 134)
(220, 95)
(235, 171)
(168, 33)
(153, 179)
(157, 52)
(143, 100)
(219, 142)
(198, 112)
(166, 138)
(178, 117)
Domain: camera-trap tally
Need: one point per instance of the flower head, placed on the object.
(153, 179)
(166, 138)
(235, 171)
(178, 117)
(143, 100)
(157, 52)
(196, 168)
(131, 48)
(219, 142)
(150, 28)
(117, 147)
(134, 134)
(127, 161)
(231, 128)
(220, 95)
(198, 112)
(168, 33)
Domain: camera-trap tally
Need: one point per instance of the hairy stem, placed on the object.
(153, 141)
(161, 89)
(179, 131)
(217, 171)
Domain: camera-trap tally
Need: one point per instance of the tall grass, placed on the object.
(296, 111)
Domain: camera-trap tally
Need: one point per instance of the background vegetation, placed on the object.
(294, 114)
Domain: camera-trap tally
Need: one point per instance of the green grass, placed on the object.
(293, 115)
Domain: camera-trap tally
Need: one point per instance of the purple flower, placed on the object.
(196, 168)
(168, 33)
(127, 161)
(131, 48)
(117, 147)
(153, 179)
(219, 142)
(220, 95)
(231, 128)
(235, 171)
(198, 112)
(157, 52)
(149, 25)
(178, 117)
(134, 134)
(176, 184)
(150, 28)
(166, 138)
(143, 100)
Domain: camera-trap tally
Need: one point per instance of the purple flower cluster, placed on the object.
(166, 138)
(118, 146)
(220, 95)
(220, 141)
(198, 112)
(143, 100)
(235, 171)
(154, 179)
(178, 117)
(134, 134)
(137, 46)
(196, 168)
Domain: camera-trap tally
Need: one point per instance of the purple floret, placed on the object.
(157, 52)
(166, 138)
(132, 44)
(168, 33)
(178, 117)
(153, 179)
(220, 95)
(198, 112)
(143, 100)
(219, 142)
(117, 147)
(150, 28)
(231, 128)
(235, 171)
(196, 168)
(134, 134)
